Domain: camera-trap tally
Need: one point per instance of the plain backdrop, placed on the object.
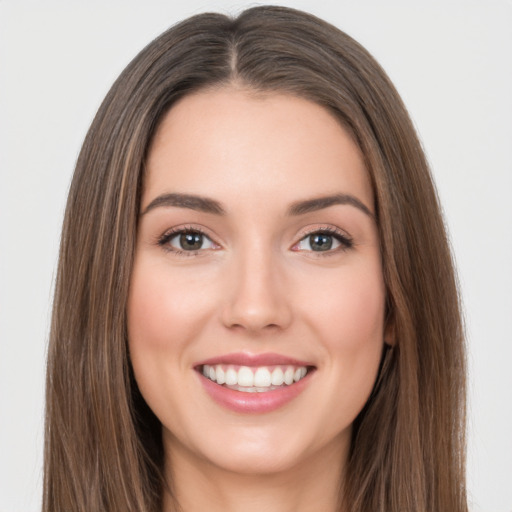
(450, 60)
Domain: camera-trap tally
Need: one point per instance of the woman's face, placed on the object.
(257, 261)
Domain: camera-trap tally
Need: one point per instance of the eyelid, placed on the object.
(163, 239)
(346, 241)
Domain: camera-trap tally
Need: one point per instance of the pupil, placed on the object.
(320, 242)
(191, 241)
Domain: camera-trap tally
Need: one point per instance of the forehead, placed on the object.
(231, 143)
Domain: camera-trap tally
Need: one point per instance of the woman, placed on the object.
(255, 305)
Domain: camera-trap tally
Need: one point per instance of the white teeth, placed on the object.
(288, 375)
(221, 375)
(245, 377)
(231, 377)
(254, 379)
(262, 378)
(277, 377)
(299, 373)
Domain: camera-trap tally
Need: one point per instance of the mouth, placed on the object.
(247, 383)
(250, 379)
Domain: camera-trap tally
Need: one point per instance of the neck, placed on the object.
(312, 485)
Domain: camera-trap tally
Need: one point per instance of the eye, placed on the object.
(324, 241)
(188, 240)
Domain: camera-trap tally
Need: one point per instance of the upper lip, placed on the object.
(248, 359)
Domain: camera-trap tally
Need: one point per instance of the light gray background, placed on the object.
(452, 63)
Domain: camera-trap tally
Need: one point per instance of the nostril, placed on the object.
(269, 318)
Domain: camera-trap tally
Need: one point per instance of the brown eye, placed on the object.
(190, 241)
(186, 241)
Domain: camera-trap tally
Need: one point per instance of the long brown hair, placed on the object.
(103, 449)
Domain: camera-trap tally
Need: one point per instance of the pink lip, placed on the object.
(243, 402)
(247, 359)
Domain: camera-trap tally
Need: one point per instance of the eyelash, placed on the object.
(164, 240)
(344, 240)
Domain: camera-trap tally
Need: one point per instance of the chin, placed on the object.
(257, 461)
(262, 450)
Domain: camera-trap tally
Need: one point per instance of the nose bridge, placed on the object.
(257, 298)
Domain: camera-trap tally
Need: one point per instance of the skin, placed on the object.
(256, 287)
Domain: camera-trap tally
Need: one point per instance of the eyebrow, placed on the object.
(313, 205)
(192, 202)
(208, 205)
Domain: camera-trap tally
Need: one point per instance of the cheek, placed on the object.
(166, 311)
(164, 308)
(348, 318)
(149, 327)
(348, 309)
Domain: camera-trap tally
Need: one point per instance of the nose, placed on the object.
(256, 298)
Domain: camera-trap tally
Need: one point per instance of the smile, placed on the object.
(254, 383)
(259, 379)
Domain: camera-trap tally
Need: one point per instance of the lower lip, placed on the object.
(258, 402)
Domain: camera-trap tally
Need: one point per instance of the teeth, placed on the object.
(231, 377)
(299, 373)
(277, 377)
(262, 378)
(245, 377)
(258, 379)
(220, 375)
